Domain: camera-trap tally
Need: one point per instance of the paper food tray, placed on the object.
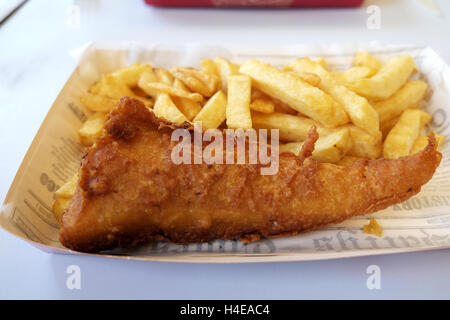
(420, 223)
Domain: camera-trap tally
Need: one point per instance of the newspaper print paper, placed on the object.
(421, 223)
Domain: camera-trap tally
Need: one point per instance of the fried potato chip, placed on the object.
(164, 76)
(68, 189)
(308, 77)
(298, 94)
(387, 81)
(130, 75)
(148, 77)
(197, 81)
(213, 113)
(353, 74)
(422, 142)
(208, 66)
(282, 107)
(91, 128)
(139, 92)
(59, 206)
(291, 128)
(425, 118)
(165, 108)
(365, 59)
(361, 113)
(225, 68)
(387, 126)
(365, 145)
(401, 138)
(321, 61)
(406, 97)
(330, 148)
(238, 106)
(113, 87)
(347, 161)
(96, 102)
(188, 107)
(178, 84)
(373, 227)
(192, 83)
(155, 88)
(264, 105)
(148, 102)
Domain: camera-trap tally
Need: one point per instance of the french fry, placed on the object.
(148, 77)
(197, 81)
(387, 81)
(298, 94)
(291, 128)
(165, 108)
(59, 206)
(263, 105)
(68, 189)
(365, 59)
(361, 113)
(238, 105)
(387, 126)
(164, 76)
(373, 227)
(353, 74)
(281, 107)
(425, 118)
(321, 61)
(91, 128)
(406, 97)
(308, 77)
(330, 148)
(208, 66)
(347, 161)
(96, 102)
(225, 68)
(365, 145)
(148, 102)
(113, 87)
(155, 88)
(188, 107)
(422, 142)
(192, 83)
(213, 112)
(139, 92)
(130, 75)
(401, 138)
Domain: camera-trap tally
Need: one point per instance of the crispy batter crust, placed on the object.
(130, 192)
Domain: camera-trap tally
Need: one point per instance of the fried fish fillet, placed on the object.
(130, 192)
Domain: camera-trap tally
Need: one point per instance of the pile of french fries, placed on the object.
(369, 111)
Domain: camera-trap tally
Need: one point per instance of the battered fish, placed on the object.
(130, 192)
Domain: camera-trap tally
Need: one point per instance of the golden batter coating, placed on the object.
(130, 192)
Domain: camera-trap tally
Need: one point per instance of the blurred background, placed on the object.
(38, 42)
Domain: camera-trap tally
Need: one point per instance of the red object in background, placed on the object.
(255, 3)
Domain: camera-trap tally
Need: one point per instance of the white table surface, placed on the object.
(34, 65)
